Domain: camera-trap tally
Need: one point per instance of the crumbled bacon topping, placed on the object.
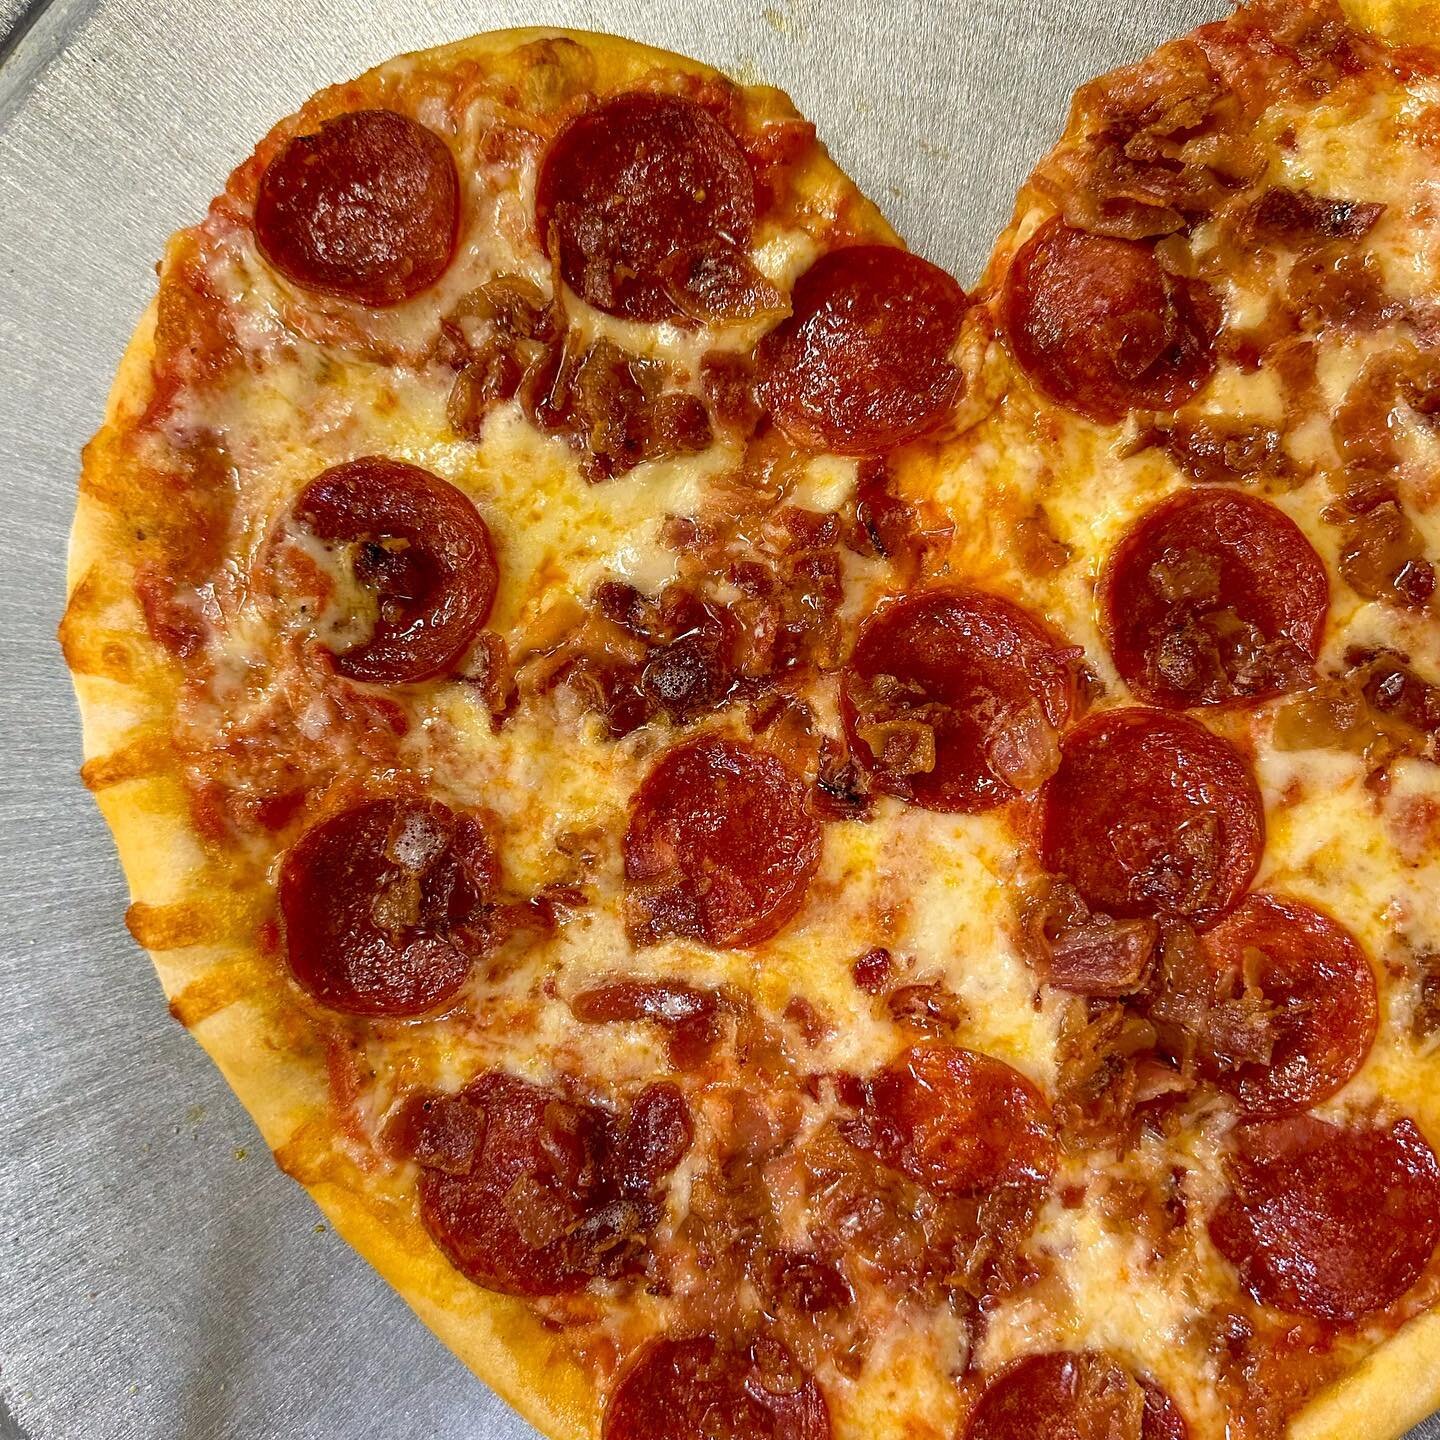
(1298, 217)
(1084, 952)
(1161, 148)
(1382, 554)
(616, 410)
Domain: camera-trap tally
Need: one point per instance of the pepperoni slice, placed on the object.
(699, 1389)
(375, 901)
(952, 699)
(650, 201)
(1100, 328)
(1213, 597)
(421, 549)
(955, 1121)
(864, 364)
(1319, 992)
(548, 1193)
(1329, 1221)
(1151, 814)
(721, 847)
(366, 208)
(1073, 1395)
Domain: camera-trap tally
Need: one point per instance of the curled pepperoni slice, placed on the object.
(955, 1121)
(375, 902)
(650, 202)
(1214, 597)
(700, 1389)
(1151, 814)
(1329, 1221)
(421, 549)
(366, 208)
(953, 698)
(529, 1193)
(1317, 994)
(1100, 328)
(1073, 1395)
(864, 364)
(721, 847)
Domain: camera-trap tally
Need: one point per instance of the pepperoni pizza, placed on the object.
(793, 851)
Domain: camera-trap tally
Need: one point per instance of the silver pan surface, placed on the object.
(159, 1278)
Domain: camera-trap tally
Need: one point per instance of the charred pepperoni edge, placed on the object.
(1009, 634)
(676, 828)
(415, 244)
(1041, 1395)
(1068, 368)
(1293, 586)
(332, 878)
(1326, 1220)
(956, 1121)
(372, 499)
(1330, 981)
(586, 161)
(863, 364)
(673, 1387)
(595, 1181)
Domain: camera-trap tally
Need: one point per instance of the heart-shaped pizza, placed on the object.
(789, 849)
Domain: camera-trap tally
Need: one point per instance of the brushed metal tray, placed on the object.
(158, 1276)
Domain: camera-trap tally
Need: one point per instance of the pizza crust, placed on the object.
(126, 697)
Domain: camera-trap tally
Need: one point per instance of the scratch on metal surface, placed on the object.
(34, 36)
(10, 1428)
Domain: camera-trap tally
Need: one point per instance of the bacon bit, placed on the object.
(1241, 1030)
(691, 1016)
(487, 667)
(616, 410)
(1214, 453)
(928, 1008)
(728, 382)
(1297, 217)
(438, 1132)
(1183, 992)
(788, 724)
(537, 1215)
(842, 788)
(872, 970)
(1396, 692)
(1338, 286)
(897, 723)
(891, 528)
(633, 656)
(1323, 45)
(1022, 749)
(1425, 1016)
(1361, 427)
(809, 1283)
(1095, 1085)
(489, 379)
(1382, 554)
(1217, 656)
(1102, 957)
(1082, 952)
(800, 1013)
